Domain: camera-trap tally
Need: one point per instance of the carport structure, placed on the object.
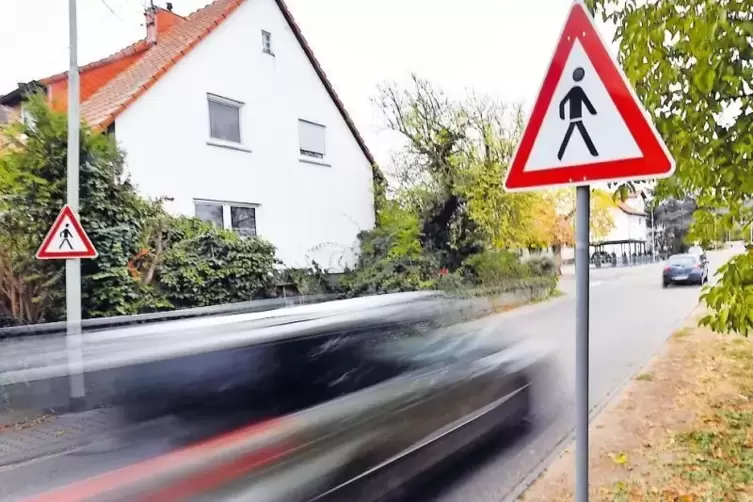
(624, 252)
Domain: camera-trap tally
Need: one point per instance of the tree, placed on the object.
(451, 168)
(691, 63)
(556, 214)
(674, 218)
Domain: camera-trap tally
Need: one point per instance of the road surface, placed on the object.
(631, 317)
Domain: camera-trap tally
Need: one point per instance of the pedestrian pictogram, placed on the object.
(587, 125)
(577, 99)
(66, 236)
(66, 239)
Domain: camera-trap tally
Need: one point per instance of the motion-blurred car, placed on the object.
(349, 405)
(685, 269)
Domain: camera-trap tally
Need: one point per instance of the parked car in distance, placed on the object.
(685, 269)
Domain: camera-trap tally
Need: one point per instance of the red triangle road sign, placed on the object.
(66, 239)
(587, 124)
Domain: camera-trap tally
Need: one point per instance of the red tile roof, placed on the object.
(110, 85)
(94, 76)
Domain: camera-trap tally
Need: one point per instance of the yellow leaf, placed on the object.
(619, 458)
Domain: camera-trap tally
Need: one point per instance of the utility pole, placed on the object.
(73, 266)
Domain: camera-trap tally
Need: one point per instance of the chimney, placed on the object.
(170, 6)
(150, 15)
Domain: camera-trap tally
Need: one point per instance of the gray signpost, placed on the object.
(587, 126)
(582, 302)
(73, 265)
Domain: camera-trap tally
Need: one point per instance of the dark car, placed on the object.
(351, 406)
(685, 269)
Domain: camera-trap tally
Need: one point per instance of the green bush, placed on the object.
(494, 267)
(392, 258)
(541, 266)
(313, 281)
(204, 265)
(540, 286)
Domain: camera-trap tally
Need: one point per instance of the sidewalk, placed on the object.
(49, 435)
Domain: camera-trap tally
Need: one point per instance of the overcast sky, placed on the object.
(501, 47)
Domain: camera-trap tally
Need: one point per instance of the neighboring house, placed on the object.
(629, 218)
(629, 225)
(227, 114)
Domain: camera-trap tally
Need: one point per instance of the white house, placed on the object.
(227, 113)
(630, 232)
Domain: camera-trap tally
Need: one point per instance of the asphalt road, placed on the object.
(631, 317)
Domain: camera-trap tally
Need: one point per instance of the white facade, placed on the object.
(628, 226)
(310, 208)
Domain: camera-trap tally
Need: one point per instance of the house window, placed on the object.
(311, 139)
(238, 217)
(266, 42)
(243, 220)
(224, 119)
(211, 213)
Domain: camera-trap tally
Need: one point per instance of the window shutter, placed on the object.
(311, 137)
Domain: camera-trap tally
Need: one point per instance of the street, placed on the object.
(631, 317)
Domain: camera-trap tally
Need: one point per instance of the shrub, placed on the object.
(392, 258)
(541, 266)
(203, 265)
(494, 267)
(313, 280)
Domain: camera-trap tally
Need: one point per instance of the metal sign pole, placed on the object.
(73, 266)
(582, 271)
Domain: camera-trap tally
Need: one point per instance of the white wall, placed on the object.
(626, 226)
(307, 211)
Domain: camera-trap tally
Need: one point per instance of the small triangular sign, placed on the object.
(66, 239)
(587, 124)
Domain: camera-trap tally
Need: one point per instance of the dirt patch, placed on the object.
(682, 430)
(26, 423)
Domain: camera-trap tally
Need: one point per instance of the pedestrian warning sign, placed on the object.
(587, 124)
(66, 239)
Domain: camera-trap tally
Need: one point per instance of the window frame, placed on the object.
(209, 203)
(227, 217)
(221, 100)
(307, 157)
(266, 43)
(254, 207)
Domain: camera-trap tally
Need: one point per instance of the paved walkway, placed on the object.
(40, 437)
